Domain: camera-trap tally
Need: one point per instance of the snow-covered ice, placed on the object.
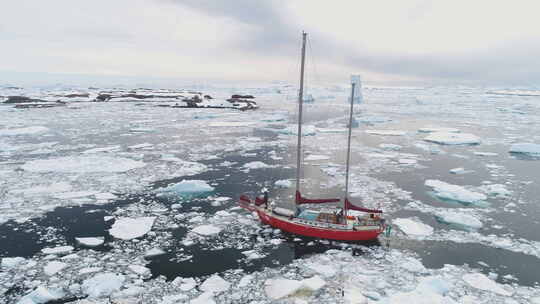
(446, 138)
(525, 148)
(412, 227)
(459, 218)
(80, 164)
(480, 281)
(189, 187)
(207, 230)
(103, 284)
(454, 192)
(90, 241)
(130, 228)
(215, 284)
(53, 267)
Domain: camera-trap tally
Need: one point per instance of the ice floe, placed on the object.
(42, 295)
(458, 218)
(80, 164)
(446, 138)
(57, 250)
(23, 131)
(386, 132)
(90, 241)
(438, 130)
(53, 267)
(314, 157)
(215, 284)
(283, 183)
(480, 281)
(207, 230)
(12, 262)
(189, 187)
(525, 148)
(256, 165)
(454, 192)
(103, 284)
(130, 228)
(412, 227)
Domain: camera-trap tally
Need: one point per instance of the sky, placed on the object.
(475, 42)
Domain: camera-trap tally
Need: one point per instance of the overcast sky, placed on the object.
(395, 42)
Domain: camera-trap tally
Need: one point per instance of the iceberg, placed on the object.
(447, 138)
(83, 164)
(454, 192)
(411, 227)
(130, 228)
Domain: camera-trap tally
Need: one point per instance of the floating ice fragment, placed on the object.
(314, 283)
(189, 187)
(412, 265)
(153, 252)
(480, 153)
(256, 165)
(207, 230)
(130, 228)
(231, 124)
(205, 298)
(386, 132)
(215, 284)
(280, 288)
(459, 218)
(307, 130)
(57, 250)
(102, 285)
(525, 148)
(90, 241)
(23, 131)
(82, 164)
(313, 157)
(75, 194)
(496, 190)
(12, 262)
(139, 269)
(105, 196)
(103, 149)
(480, 281)
(438, 130)
(352, 295)
(283, 183)
(390, 147)
(42, 295)
(414, 228)
(53, 267)
(445, 138)
(52, 188)
(459, 171)
(454, 192)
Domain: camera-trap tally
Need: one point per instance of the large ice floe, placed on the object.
(454, 192)
(449, 138)
(525, 148)
(188, 188)
(79, 164)
(412, 227)
(130, 228)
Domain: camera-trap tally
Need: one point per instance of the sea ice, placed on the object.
(314, 283)
(525, 148)
(90, 241)
(280, 288)
(103, 284)
(307, 130)
(438, 130)
(255, 165)
(57, 250)
(23, 131)
(496, 190)
(130, 228)
(42, 295)
(459, 218)
(283, 183)
(386, 132)
(206, 230)
(454, 192)
(53, 267)
(414, 228)
(231, 124)
(154, 252)
(82, 164)
(445, 138)
(139, 269)
(480, 153)
(480, 281)
(314, 157)
(205, 298)
(189, 187)
(215, 284)
(12, 262)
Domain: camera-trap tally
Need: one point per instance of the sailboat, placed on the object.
(334, 224)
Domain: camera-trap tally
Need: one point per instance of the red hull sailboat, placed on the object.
(332, 224)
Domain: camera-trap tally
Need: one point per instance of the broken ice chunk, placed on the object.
(102, 285)
(414, 228)
(189, 188)
(480, 281)
(446, 138)
(215, 284)
(207, 230)
(130, 228)
(454, 192)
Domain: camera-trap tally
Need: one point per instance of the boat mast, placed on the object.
(348, 154)
(300, 101)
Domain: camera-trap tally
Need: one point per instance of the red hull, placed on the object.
(326, 233)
